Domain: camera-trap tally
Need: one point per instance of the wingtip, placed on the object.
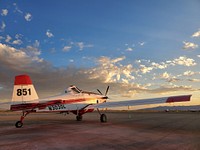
(182, 98)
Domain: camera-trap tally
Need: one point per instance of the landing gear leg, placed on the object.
(103, 117)
(19, 124)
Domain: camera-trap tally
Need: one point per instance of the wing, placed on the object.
(171, 99)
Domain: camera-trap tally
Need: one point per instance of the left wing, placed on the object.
(171, 99)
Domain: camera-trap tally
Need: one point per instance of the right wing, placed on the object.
(171, 99)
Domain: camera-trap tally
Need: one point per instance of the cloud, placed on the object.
(184, 61)
(17, 58)
(188, 73)
(194, 80)
(8, 38)
(146, 66)
(17, 42)
(129, 49)
(164, 89)
(165, 75)
(3, 26)
(82, 45)
(189, 45)
(111, 70)
(49, 34)
(141, 43)
(196, 34)
(66, 48)
(169, 78)
(4, 12)
(28, 17)
(17, 9)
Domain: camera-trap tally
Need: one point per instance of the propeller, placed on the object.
(99, 91)
(105, 92)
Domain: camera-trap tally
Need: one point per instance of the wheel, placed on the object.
(18, 124)
(79, 118)
(103, 118)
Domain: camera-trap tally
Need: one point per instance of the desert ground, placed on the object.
(124, 130)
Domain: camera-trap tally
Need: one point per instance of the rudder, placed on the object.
(24, 90)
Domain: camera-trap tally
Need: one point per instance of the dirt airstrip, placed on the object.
(124, 130)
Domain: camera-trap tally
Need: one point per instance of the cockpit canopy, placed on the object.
(73, 90)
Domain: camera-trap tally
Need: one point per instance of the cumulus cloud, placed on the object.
(196, 34)
(16, 58)
(28, 17)
(17, 42)
(189, 45)
(188, 73)
(4, 12)
(111, 70)
(49, 34)
(183, 60)
(146, 66)
(8, 39)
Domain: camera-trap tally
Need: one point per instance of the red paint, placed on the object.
(23, 80)
(178, 99)
(43, 105)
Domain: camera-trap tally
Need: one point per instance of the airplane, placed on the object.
(74, 100)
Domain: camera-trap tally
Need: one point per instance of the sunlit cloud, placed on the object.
(4, 12)
(17, 42)
(111, 70)
(188, 73)
(189, 45)
(49, 34)
(196, 34)
(8, 39)
(183, 60)
(194, 80)
(28, 17)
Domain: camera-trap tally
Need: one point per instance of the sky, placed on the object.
(140, 48)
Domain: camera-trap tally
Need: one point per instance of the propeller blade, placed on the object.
(99, 91)
(107, 90)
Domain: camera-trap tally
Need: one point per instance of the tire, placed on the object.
(79, 118)
(103, 118)
(18, 124)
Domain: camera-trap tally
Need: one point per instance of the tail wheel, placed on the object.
(18, 124)
(79, 117)
(103, 118)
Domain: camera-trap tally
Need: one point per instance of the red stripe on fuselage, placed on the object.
(28, 106)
